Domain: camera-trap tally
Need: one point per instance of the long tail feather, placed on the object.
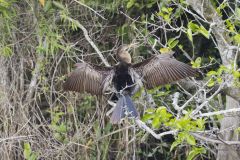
(124, 107)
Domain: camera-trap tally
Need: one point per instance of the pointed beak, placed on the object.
(133, 45)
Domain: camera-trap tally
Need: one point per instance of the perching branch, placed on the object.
(142, 125)
(224, 112)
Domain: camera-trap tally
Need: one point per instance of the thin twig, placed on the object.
(90, 9)
(142, 125)
(85, 33)
(234, 110)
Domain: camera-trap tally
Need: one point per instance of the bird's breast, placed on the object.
(122, 79)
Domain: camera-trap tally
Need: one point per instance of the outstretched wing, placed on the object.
(89, 78)
(162, 69)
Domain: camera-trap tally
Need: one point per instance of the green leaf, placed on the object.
(164, 115)
(190, 139)
(165, 50)
(197, 62)
(211, 83)
(236, 38)
(189, 34)
(147, 116)
(33, 156)
(194, 27)
(204, 32)
(130, 3)
(174, 144)
(159, 94)
(211, 73)
(219, 80)
(150, 110)
(164, 9)
(201, 123)
(156, 122)
(237, 12)
(152, 17)
(172, 42)
(230, 25)
(6, 51)
(27, 150)
(237, 130)
(236, 74)
(58, 5)
(47, 6)
(62, 128)
(195, 151)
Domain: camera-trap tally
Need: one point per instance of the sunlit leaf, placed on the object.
(174, 144)
(197, 62)
(172, 42)
(190, 139)
(189, 34)
(195, 151)
(237, 38)
(204, 32)
(237, 11)
(165, 50)
(156, 122)
(211, 83)
(27, 150)
(211, 73)
(236, 74)
(42, 2)
(58, 5)
(130, 3)
(148, 116)
(194, 27)
(201, 123)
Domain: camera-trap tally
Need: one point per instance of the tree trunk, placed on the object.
(205, 9)
(228, 132)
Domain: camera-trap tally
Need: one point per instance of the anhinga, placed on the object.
(126, 78)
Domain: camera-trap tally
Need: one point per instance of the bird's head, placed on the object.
(123, 54)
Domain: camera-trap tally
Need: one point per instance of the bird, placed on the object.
(125, 78)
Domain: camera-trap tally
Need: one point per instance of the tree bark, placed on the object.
(205, 9)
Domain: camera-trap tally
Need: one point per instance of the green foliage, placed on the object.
(197, 62)
(172, 42)
(140, 4)
(195, 28)
(6, 51)
(28, 153)
(195, 151)
(220, 8)
(58, 30)
(166, 13)
(58, 127)
(216, 77)
(161, 118)
(6, 8)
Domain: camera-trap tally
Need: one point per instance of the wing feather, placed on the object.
(162, 69)
(88, 78)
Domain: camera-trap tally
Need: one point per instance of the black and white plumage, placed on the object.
(126, 77)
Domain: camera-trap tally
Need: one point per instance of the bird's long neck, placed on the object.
(124, 57)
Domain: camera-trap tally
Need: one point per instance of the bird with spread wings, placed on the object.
(126, 78)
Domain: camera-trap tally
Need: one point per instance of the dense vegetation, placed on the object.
(41, 40)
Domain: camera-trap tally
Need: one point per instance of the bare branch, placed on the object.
(85, 32)
(90, 9)
(224, 112)
(142, 125)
